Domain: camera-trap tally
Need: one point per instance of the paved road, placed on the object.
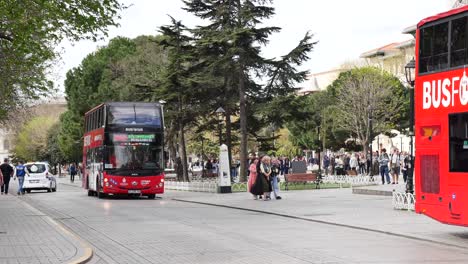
(167, 231)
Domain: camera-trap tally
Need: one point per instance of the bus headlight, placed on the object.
(106, 180)
(162, 180)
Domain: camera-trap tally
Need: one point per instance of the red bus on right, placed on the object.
(441, 117)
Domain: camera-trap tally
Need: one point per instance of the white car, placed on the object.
(40, 177)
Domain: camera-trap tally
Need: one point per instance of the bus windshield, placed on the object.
(134, 115)
(134, 157)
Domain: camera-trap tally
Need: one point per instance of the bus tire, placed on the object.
(90, 192)
(99, 194)
(151, 196)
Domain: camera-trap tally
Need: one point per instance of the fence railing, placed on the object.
(194, 186)
(211, 184)
(403, 201)
(359, 180)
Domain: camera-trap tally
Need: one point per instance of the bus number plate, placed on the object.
(134, 191)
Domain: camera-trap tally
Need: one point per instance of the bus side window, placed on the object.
(458, 42)
(440, 51)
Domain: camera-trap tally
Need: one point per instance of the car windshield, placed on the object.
(36, 168)
(133, 156)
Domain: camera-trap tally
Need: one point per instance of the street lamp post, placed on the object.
(371, 139)
(319, 162)
(220, 113)
(410, 76)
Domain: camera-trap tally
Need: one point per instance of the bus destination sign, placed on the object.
(140, 138)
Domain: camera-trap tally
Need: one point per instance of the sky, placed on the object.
(344, 29)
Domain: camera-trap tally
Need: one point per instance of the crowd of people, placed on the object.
(358, 163)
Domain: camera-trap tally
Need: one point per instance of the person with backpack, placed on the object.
(72, 172)
(20, 172)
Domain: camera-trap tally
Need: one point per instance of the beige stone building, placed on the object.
(320, 81)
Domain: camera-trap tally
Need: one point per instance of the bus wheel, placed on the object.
(151, 196)
(98, 190)
(90, 192)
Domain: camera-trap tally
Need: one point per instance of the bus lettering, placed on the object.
(443, 92)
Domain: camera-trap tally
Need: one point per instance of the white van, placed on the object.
(40, 177)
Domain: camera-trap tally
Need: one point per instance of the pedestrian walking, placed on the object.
(353, 163)
(383, 162)
(20, 172)
(395, 165)
(7, 172)
(72, 169)
(274, 180)
(1, 180)
(405, 166)
(253, 179)
(264, 172)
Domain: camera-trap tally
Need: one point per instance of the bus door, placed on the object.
(428, 162)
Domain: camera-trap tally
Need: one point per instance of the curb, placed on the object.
(87, 253)
(364, 191)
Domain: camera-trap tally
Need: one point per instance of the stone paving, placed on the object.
(168, 231)
(316, 226)
(29, 236)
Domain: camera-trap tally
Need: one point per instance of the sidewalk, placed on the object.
(29, 236)
(384, 190)
(339, 207)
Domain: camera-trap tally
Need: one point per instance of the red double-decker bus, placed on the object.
(441, 117)
(123, 150)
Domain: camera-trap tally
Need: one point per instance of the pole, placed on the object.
(202, 154)
(220, 136)
(409, 182)
(319, 163)
(371, 141)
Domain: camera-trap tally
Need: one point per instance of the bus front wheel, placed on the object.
(98, 190)
(151, 196)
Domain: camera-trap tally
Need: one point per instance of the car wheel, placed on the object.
(151, 196)
(28, 190)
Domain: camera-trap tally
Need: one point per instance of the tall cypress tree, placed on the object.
(230, 45)
(175, 88)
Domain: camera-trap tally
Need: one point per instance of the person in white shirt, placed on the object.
(353, 162)
(395, 165)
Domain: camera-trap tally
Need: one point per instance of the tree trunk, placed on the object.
(183, 152)
(243, 127)
(171, 143)
(228, 135)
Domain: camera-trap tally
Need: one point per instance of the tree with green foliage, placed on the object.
(29, 33)
(364, 92)
(31, 142)
(234, 37)
(53, 152)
